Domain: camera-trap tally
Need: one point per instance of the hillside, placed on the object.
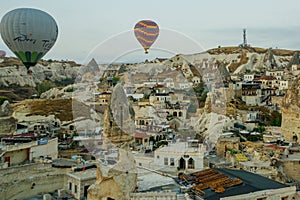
(240, 60)
(234, 59)
(62, 109)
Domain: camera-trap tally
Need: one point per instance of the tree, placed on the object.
(44, 86)
(2, 99)
(115, 80)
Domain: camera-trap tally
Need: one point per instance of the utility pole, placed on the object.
(121, 118)
(245, 37)
(244, 44)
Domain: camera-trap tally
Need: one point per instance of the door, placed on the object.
(85, 190)
(7, 159)
(182, 163)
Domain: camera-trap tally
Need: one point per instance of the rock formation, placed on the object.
(55, 71)
(116, 182)
(5, 109)
(291, 112)
(56, 93)
(7, 122)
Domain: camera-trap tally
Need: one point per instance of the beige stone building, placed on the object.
(26, 152)
(227, 142)
(77, 183)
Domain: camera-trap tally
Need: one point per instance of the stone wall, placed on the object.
(50, 149)
(154, 195)
(29, 180)
(292, 169)
(7, 125)
(287, 193)
(17, 157)
(232, 143)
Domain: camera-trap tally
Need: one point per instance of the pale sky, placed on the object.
(186, 26)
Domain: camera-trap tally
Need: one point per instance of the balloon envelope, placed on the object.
(29, 33)
(2, 53)
(146, 32)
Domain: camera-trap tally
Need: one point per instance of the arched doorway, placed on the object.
(182, 163)
(191, 163)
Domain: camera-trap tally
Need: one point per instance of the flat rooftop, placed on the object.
(180, 147)
(213, 184)
(84, 175)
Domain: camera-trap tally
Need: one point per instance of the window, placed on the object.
(175, 114)
(70, 186)
(71, 128)
(75, 189)
(140, 164)
(166, 161)
(191, 163)
(171, 161)
(157, 157)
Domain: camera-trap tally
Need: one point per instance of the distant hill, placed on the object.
(228, 60)
(13, 61)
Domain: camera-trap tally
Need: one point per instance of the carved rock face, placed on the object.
(5, 109)
(291, 112)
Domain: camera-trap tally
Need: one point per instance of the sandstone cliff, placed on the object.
(54, 71)
(116, 182)
(291, 112)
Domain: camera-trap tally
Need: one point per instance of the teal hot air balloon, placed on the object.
(146, 32)
(29, 33)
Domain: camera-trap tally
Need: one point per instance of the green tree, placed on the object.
(115, 80)
(2, 99)
(44, 86)
(64, 82)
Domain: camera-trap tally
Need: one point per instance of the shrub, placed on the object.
(2, 99)
(44, 86)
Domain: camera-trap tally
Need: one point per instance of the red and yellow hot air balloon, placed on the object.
(146, 32)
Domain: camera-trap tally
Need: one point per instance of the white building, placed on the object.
(283, 85)
(181, 155)
(248, 77)
(295, 69)
(278, 74)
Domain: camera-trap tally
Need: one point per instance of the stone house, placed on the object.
(295, 69)
(141, 139)
(26, 152)
(226, 142)
(103, 98)
(181, 155)
(77, 183)
(251, 94)
(278, 74)
(248, 77)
